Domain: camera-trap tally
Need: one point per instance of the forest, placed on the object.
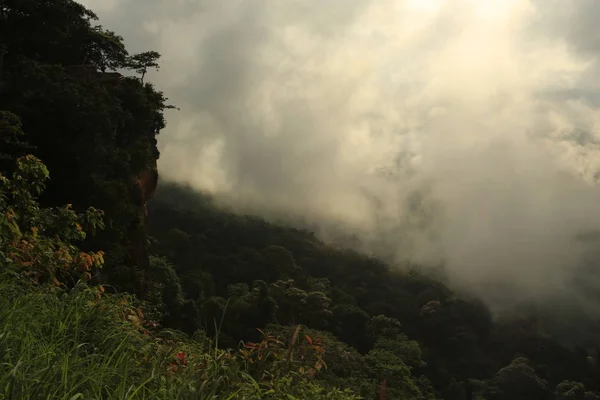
(117, 284)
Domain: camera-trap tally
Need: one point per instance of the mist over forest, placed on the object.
(455, 132)
(300, 199)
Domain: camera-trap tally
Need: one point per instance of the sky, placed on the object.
(462, 131)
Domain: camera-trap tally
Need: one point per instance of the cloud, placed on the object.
(454, 130)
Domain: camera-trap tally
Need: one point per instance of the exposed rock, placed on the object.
(145, 183)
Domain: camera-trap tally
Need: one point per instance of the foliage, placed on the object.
(570, 390)
(567, 390)
(403, 326)
(11, 140)
(84, 343)
(166, 294)
(87, 344)
(520, 381)
(141, 62)
(40, 242)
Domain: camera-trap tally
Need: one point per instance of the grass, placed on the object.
(82, 344)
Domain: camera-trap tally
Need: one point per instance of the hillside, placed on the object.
(220, 257)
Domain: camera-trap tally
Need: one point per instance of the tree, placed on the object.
(105, 49)
(350, 325)
(591, 396)
(316, 309)
(455, 391)
(386, 366)
(141, 62)
(520, 381)
(280, 262)
(58, 32)
(167, 290)
(11, 140)
(290, 300)
(385, 327)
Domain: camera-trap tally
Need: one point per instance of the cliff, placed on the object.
(94, 126)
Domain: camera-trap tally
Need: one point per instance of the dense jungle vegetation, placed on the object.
(107, 294)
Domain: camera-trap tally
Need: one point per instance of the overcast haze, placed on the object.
(460, 130)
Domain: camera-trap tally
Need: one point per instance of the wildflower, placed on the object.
(182, 358)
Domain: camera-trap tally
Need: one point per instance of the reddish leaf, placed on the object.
(308, 339)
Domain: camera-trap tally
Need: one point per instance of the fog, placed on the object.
(461, 131)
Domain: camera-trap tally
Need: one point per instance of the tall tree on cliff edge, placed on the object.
(95, 129)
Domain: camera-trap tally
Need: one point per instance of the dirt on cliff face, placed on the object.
(145, 182)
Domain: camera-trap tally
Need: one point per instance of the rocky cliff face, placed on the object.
(146, 181)
(145, 184)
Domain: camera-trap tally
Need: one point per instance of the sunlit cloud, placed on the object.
(459, 130)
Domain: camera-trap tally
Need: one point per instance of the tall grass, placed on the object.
(73, 346)
(83, 345)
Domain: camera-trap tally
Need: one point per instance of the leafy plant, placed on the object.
(40, 242)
